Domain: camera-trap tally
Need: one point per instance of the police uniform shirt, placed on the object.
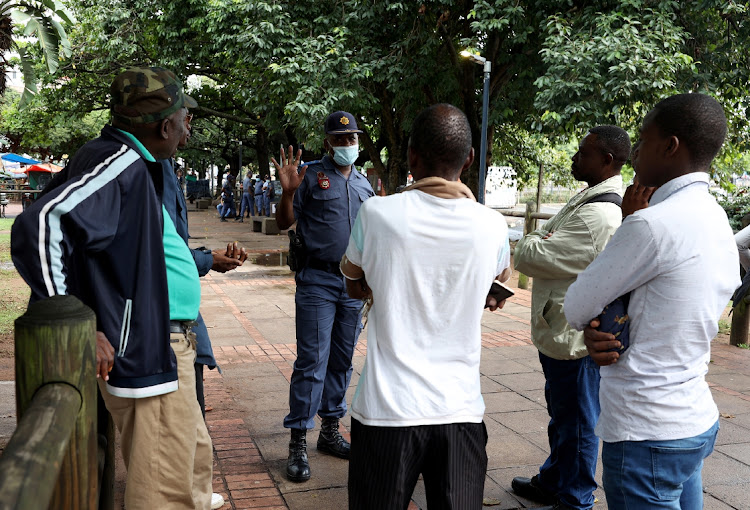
(325, 216)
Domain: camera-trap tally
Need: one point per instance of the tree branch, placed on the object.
(228, 116)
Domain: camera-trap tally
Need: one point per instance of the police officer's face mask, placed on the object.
(345, 155)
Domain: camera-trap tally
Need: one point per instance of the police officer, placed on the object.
(324, 198)
(267, 187)
(259, 196)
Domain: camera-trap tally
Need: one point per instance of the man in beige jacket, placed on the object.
(553, 256)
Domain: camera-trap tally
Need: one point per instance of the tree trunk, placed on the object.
(262, 151)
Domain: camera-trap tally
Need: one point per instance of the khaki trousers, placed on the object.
(165, 444)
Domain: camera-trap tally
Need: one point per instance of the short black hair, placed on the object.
(614, 140)
(697, 120)
(441, 135)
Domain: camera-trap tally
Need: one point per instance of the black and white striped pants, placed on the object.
(386, 462)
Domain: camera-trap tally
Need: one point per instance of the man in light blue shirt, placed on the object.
(678, 260)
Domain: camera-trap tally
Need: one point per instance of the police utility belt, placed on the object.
(299, 259)
(322, 265)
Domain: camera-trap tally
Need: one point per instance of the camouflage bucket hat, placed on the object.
(147, 94)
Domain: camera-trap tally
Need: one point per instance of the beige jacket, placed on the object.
(579, 233)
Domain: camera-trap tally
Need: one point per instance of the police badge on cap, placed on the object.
(340, 122)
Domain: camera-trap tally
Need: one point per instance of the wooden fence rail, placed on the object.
(51, 460)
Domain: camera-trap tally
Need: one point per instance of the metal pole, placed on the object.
(483, 147)
(240, 171)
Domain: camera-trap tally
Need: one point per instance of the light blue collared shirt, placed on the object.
(679, 259)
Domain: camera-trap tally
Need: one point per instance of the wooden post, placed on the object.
(56, 343)
(539, 191)
(740, 326)
(529, 225)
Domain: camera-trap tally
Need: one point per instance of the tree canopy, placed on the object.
(268, 72)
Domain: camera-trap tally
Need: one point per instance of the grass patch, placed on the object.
(743, 346)
(15, 294)
(6, 223)
(14, 291)
(4, 247)
(725, 326)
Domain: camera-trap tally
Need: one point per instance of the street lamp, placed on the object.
(485, 111)
(239, 172)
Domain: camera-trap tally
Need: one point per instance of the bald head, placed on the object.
(440, 142)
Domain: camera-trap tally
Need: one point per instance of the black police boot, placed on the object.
(529, 488)
(331, 441)
(297, 467)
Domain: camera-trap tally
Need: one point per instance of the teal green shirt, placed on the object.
(182, 275)
(183, 281)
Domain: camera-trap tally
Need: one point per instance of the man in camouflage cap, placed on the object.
(99, 234)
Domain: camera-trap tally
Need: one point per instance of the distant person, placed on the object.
(227, 193)
(259, 196)
(324, 199)
(553, 256)
(433, 250)
(266, 189)
(268, 194)
(678, 260)
(247, 200)
(130, 266)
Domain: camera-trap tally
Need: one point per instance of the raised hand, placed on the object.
(287, 170)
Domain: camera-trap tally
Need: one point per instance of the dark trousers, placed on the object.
(386, 462)
(572, 394)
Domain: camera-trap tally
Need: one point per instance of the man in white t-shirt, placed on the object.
(678, 260)
(428, 257)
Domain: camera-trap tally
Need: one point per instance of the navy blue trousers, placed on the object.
(328, 325)
(246, 205)
(572, 394)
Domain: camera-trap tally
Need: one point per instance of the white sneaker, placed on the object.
(216, 501)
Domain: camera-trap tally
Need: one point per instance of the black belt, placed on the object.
(258, 194)
(322, 265)
(181, 326)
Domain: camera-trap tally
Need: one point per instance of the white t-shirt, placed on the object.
(430, 262)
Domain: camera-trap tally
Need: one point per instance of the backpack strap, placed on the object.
(612, 198)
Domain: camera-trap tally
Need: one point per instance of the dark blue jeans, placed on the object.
(328, 325)
(572, 394)
(657, 474)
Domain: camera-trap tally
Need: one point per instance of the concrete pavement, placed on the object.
(250, 318)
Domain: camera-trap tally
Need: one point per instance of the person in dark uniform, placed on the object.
(324, 198)
(258, 196)
(227, 193)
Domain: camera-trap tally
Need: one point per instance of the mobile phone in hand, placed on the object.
(500, 292)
